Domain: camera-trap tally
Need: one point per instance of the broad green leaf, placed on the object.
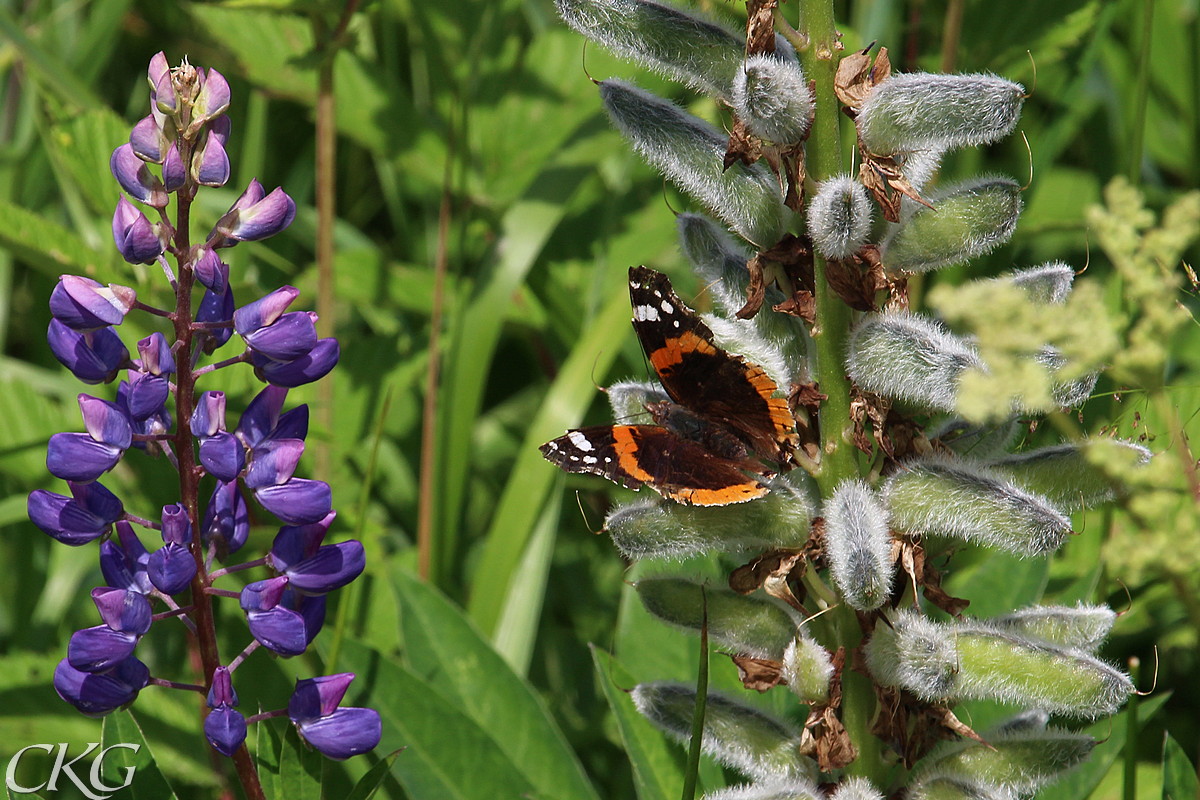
(81, 147)
(999, 582)
(1179, 776)
(446, 650)
(49, 247)
(268, 750)
(300, 768)
(369, 783)
(120, 728)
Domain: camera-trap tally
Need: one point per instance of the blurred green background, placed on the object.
(472, 145)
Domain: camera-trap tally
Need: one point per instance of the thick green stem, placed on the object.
(830, 334)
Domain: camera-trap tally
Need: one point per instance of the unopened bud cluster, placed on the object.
(163, 406)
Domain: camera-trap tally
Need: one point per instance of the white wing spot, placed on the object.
(607, 460)
(645, 314)
(552, 445)
(676, 323)
(667, 308)
(579, 440)
(589, 459)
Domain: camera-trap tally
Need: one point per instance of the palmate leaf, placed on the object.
(49, 247)
(148, 781)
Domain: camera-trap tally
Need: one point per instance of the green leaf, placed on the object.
(369, 783)
(1179, 776)
(120, 728)
(445, 649)
(80, 148)
(267, 750)
(49, 247)
(299, 768)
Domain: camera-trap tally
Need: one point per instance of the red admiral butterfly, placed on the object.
(722, 418)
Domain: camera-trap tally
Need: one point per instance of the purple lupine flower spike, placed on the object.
(83, 304)
(99, 693)
(84, 517)
(136, 178)
(224, 727)
(338, 733)
(136, 237)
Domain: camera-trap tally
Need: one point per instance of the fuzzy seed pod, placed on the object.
(771, 96)
(839, 217)
(941, 787)
(1034, 719)
(628, 400)
(965, 501)
(1020, 762)
(807, 669)
(908, 357)
(736, 735)
(652, 528)
(922, 111)
(856, 789)
(1066, 394)
(967, 220)
(1075, 475)
(720, 263)
(858, 545)
(743, 625)
(974, 661)
(769, 790)
(1082, 627)
(1049, 283)
(691, 152)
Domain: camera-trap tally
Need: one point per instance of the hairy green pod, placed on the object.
(742, 624)
(973, 661)
(941, 787)
(720, 262)
(1032, 719)
(858, 545)
(769, 790)
(908, 357)
(653, 528)
(922, 111)
(807, 669)
(772, 97)
(1047, 284)
(691, 152)
(839, 217)
(1073, 475)
(628, 400)
(1066, 394)
(967, 220)
(856, 789)
(1081, 626)
(736, 735)
(1020, 762)
(964, 501)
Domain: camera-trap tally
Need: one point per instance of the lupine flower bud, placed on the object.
(136, 178)
(216, 307)
(1083, 627)
(227, 518)
(157, 358)
(681, 46)
(123, 560)
(769, 790)
(295, 543)
(858, 544)
(224, 727)
(312, 366)
(174, 172)
(919, 111)
(162, 90)
(1048, 283)
(736, 735)
(172, 567)
(967, 220)
(300, 501)
(99, 693)
(1021, 763)
(94, 357)
(211, 272)
(86, 305)
(940, 662)
(338, 733)
(807, 669)
(210, 164)
(288, 338)
(223, 456)
(253, 216)
(839, 217)
(691, 152)
(964, 501)
(771, 96)
(978, 441)
(87, 456)
(908, 357)
(744, 625)
(213, 98)
(940, 787)
(1033, 719)
(84, 517)
(208, 417)
(139, 240)
(148, 140)
(1076, 475)
(655, 529)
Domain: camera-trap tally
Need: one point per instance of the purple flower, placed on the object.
(224, 727)
(213, 98)
(148, 141)
(210, 164)
(85, 516)
(332, 567)
(295, 543)
(174, 173)
(126, 617)
(146, 396)
(277, 627)
(172, 567)
(136, 178)
(138, 240)
(123, 561)
(310, 367)
(87, 456)
(223, 456)
(274, 462)
(338, 733)
(94, 357)
(227, 519)
(157, 358)
(255, 215)
(300, 501)
(98, 693)
(265, 310)
(216, 307)
(290, 337)
(261, 420)
(211, 271)
(87, 305)
(162, 90)
(208, 418)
